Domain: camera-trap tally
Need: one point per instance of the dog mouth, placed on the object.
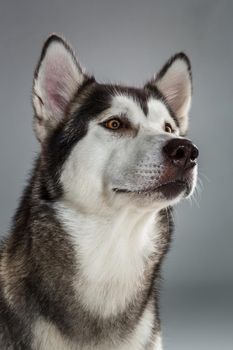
(169, 189)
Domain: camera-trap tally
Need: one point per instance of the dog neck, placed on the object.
(113, 252)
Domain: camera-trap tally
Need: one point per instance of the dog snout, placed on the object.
(182, 152)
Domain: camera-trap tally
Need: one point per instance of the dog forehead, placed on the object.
(157, 110)
(125, 104)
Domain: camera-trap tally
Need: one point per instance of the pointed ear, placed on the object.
(174, 81)
(57, 77)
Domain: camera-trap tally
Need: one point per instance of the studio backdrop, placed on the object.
(127, 41)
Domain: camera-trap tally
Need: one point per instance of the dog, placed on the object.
(80, 268)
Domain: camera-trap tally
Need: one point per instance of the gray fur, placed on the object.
(38, 259)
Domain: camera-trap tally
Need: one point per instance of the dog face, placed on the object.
(106, 146)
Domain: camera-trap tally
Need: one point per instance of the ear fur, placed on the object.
(174, 81)
(57, 77)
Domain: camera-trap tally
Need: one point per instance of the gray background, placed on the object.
(127, 41)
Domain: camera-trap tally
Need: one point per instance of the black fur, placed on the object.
(37, 259)
(47, 256)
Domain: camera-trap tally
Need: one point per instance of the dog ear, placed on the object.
(57, 77)
(174, 81)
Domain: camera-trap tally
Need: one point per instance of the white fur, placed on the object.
(114, 234)
(98, 157)
(158, 345)
(112, 251)
(48, 337)
(122, 104)
(158, 113)
(142, 334)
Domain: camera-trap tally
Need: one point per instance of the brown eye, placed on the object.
(112, 124)
(168, 128)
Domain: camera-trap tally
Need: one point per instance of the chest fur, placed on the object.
(48, 337)
(114, 258)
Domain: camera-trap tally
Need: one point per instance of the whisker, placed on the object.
(204, 175)
(196, 200)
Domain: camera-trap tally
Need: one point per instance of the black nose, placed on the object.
(181, 152)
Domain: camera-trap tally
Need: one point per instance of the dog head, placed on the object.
(106, 146)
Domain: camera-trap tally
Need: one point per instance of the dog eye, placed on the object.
(168, 128)
(113, 124)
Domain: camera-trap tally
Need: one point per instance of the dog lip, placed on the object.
(179, 183)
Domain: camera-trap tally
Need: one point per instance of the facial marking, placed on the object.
(131, 163)
(155, 120)
(122, 104)
(158, 115)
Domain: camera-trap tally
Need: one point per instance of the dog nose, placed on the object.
(182, 152)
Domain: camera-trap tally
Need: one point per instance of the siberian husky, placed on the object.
(80, 268)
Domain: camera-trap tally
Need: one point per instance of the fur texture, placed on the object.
(80, 268)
